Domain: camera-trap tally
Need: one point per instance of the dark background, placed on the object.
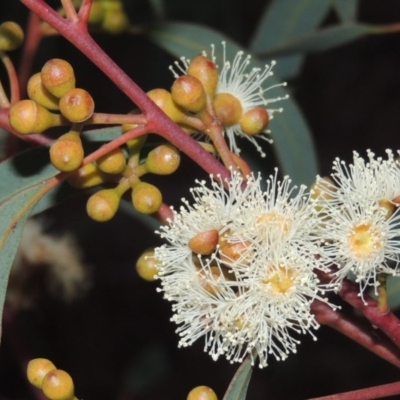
(117, 341)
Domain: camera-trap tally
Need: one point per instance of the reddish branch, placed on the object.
(387, 323)
(76, 32)
(376, 392)
(325, 315)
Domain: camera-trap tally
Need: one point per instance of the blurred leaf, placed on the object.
(158, 8)
(288, 65)
(346, 9)
(25, 169)
(238, 387)
(284, 20)
(393, 289)
(18, 194)
(103, 134)
(292, 139)
(326, 39)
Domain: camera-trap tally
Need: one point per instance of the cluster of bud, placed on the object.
(194, 95)
(56, 384)
(114, 167)
(109, 15)
(53, 89)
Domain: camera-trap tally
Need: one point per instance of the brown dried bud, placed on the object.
(204, 243)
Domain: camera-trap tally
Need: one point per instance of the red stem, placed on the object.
(325, 315)
(12, 76)
(84, 11)
(387, 323)
(376, 392)
(33, 37)
(78, 35)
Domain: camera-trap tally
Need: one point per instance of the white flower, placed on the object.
(362, 223)
(376, 180)
(275, 307)
(245, 84)
(252, 290)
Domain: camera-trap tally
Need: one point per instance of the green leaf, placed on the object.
(393, 291)
(293, 142)
(346, 9)
(288, 65)
(284, 20)
(325, 39)
(102, 135)
(238, 387)
(14, 212)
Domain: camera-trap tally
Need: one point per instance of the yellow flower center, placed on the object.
(281, 280)
(276, 219)
(363, 241)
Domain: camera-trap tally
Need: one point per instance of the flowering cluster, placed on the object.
(362, 221)
(240, 267)
(237, 96)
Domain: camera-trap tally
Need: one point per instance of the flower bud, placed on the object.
(206, 72)
(146, 198)
(254, 121)
(58, 385)
(319, 189)
(163, 160)
(115, 21)
(58, 76)
(38, 93)
(11, 36)
(227, 108)
(66, 153)
(28, 117)
(77, 105)
(204, 243)
(202, 393)
(188, 92)
(37, 369)
(114, 162)
(209, 280)
(87, 176)
(147, 265)
(96, 15)
(103, 205)
(164, 100)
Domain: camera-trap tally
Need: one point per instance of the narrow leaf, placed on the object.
(14, 211)
(346, 9)
(325, 39)
(284, 20)
(293, 143)
(238, 387)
